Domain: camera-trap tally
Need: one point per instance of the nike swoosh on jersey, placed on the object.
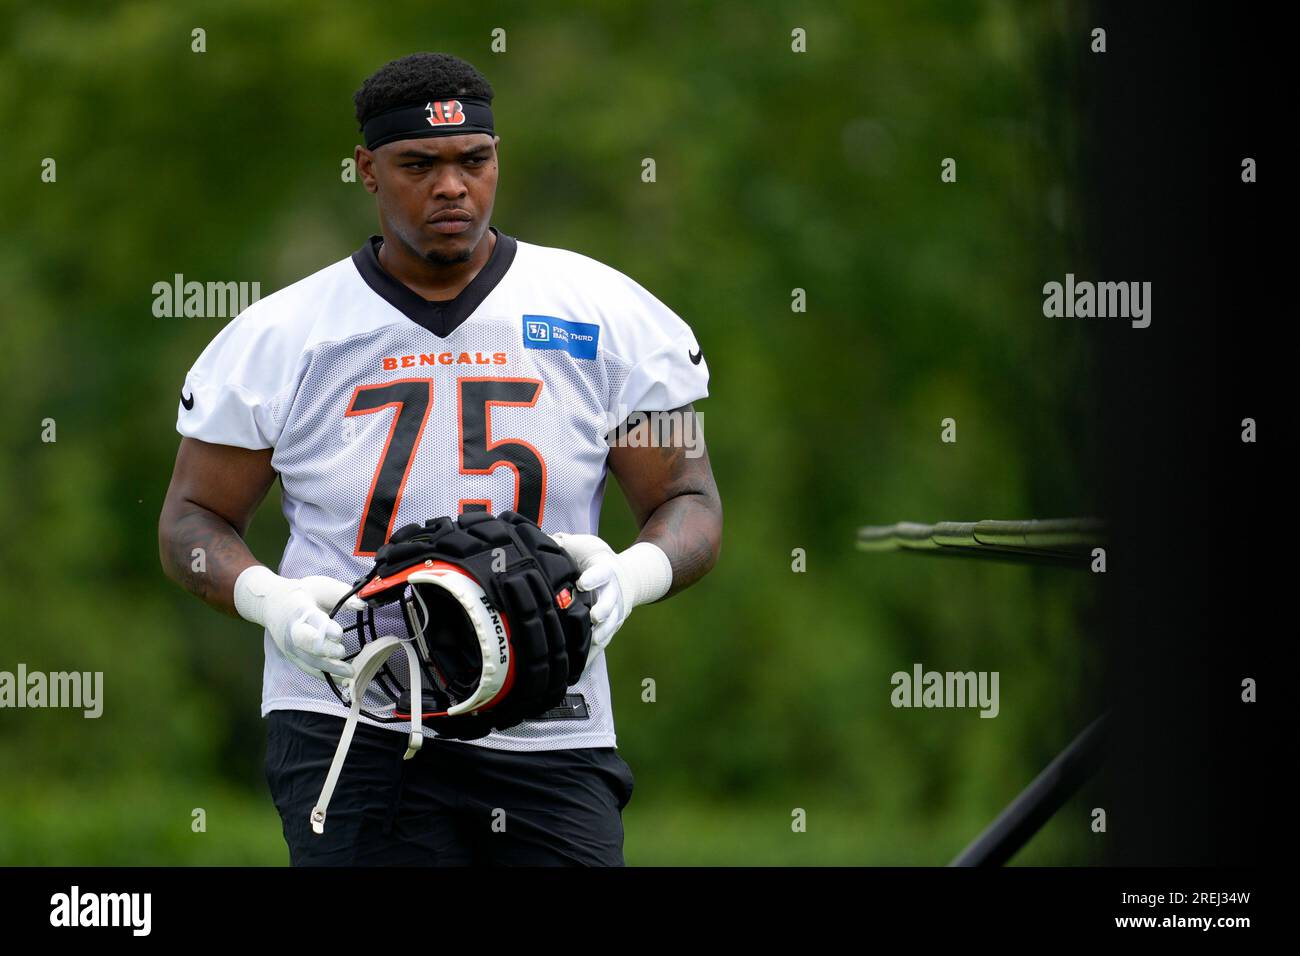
(187, 402)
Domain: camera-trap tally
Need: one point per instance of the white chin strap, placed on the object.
(494, 651)
(366, 665)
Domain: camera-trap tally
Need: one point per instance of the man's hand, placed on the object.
(214, 491)
(639, 575)
(296, 613)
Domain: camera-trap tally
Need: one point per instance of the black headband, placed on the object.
(451, 116)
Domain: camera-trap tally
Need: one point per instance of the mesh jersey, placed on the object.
(385, 409)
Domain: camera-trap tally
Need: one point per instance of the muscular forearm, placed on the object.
(203, 553)
(669, 486)
(688, 528)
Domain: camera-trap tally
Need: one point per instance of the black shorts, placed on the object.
(452, 804)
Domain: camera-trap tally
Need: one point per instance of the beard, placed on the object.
(440, 258)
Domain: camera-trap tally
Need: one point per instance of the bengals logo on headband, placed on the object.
(445, 113)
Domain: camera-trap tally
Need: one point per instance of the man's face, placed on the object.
(419, 183)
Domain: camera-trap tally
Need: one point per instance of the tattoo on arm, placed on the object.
(197, 531)
(685, 528)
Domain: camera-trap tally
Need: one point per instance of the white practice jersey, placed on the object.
(385, 409)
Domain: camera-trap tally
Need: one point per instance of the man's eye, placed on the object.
(476, 161)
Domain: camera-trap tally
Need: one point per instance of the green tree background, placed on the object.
(775, 171)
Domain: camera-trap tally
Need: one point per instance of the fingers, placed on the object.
(605, 606)
(603, 632)
(318, 641)
(582, 548)
(316, 634)
(601, 635)
(595, 577)
(327, 592)
(302, 629)
(337, 668)
(315, 666)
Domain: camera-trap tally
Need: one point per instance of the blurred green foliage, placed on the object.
(775, 171)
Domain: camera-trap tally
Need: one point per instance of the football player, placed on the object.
(442, 368)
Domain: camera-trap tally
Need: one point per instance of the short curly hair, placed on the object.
(417, 77)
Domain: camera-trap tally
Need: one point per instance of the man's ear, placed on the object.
(365, 161)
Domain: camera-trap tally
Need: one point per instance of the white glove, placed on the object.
(639, 575)
(295, 612)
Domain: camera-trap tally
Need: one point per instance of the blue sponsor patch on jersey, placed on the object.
(547, 332)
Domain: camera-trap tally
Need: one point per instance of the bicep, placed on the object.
(662, 456)
(230, 482)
